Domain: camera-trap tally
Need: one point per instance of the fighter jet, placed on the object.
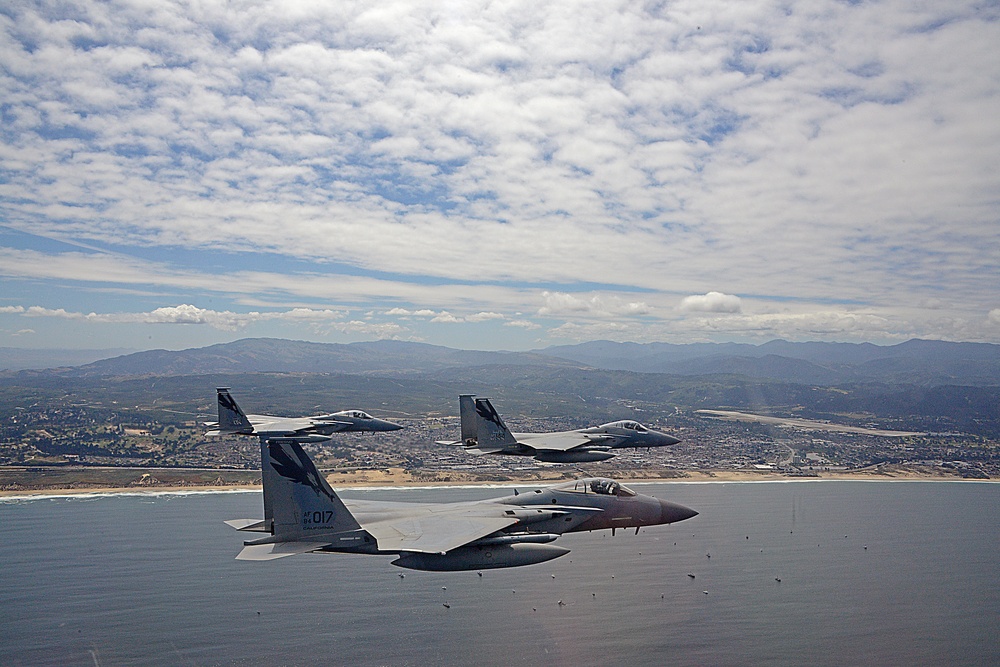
(301, 429)
(302, 514)
(484, 432)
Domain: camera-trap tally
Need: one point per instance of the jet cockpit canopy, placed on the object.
(602, 486)
(356, 414)
(628, 424)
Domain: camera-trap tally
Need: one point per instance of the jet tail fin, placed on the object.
(467, 409)
(492, 433)
(303, 506)
(231, 418)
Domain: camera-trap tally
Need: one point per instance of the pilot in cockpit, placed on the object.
(605, 487)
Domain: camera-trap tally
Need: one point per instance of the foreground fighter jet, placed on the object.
(301, 429)
(303, 514)
(483, 432)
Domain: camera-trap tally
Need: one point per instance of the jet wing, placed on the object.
(428, 528)
(559, 441)
(269, 424)
(290, 425)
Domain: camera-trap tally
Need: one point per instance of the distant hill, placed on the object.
(915, 362)
(921, 362)
(273, 355)
(18, 359)
(916, 386)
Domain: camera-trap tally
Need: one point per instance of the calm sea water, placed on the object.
(870, 573)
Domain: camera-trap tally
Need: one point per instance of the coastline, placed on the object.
(405, 479)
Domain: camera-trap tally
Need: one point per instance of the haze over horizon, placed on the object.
(498, 176)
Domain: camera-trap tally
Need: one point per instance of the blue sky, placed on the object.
(498, 175)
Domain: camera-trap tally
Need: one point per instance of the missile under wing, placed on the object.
(307, 515)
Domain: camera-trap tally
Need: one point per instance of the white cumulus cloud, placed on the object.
(713, 302)
(186, 314)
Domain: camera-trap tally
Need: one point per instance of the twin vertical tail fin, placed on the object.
(467, 409)
(302, 500)
(492, 433)
(231, 417)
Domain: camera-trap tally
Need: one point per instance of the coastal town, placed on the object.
(57, 447)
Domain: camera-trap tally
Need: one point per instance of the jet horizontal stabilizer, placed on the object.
(255, 525)
(470, 444)
(479, 451)
(279, 550)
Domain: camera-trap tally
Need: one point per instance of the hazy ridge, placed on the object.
(919, 385)
(919, 362)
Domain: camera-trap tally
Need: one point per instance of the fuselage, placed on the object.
(347, 421)
(620, 506)
(586, 504)
(628, 433)
(302, 514)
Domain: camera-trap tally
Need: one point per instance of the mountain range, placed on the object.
(921, 362)
(927, 386)
(915, 362)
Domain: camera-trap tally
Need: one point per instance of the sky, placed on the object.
(498, 175)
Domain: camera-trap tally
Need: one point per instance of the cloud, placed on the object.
(994, 316)
(834, 325)
(713, 302)
(380, 330)
(455, 162)
(592, 305)
(484, 317)
(562, 303)
(445, 317)
(522, 324)
(606, 330)
(93, 269)
(186, 314)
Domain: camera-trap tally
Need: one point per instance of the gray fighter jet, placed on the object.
(483, 432)
(303, 514)
(301, 429)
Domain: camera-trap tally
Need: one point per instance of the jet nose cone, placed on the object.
(672, 512)
(387, 425)
(670, 440)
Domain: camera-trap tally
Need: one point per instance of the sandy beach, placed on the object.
(403, 478)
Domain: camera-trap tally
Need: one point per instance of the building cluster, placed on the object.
(43, 435)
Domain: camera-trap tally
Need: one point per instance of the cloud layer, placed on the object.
(669, 171)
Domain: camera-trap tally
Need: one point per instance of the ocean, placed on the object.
(785, 573)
